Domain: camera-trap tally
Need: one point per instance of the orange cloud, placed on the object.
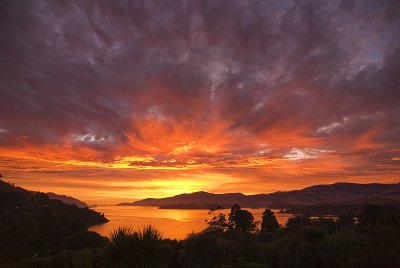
(196, 97)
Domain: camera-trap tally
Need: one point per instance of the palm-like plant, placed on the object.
(144, 248)
(150, 233)
(121, 249)
(154, 251)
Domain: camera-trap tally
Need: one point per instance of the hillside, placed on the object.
(334, 193)
(67, 199)
(314, 195)
(32, 223)
(18, 201)
(355, 207)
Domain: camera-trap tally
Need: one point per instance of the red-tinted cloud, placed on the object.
(213, 95)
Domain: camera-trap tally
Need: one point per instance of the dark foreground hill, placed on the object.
(31, 223)
(67, 199)
(338, 193)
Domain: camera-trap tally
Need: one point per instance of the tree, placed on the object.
(269, 222)
(296, 223)
(218, 221)
(241, 220)
(346, 221)
(204, 249)
(377, 215)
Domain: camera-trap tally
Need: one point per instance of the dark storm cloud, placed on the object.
(76, 69)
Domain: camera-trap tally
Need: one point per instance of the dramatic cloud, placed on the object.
(113, 97)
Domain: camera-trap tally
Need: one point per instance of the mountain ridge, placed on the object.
(67, 199)
(317, 194)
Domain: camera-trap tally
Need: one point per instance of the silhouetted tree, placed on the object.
(297, 222)
(346, 221)
(269, 222)
(218, 221)
(375, 214)
(241, 220)
(205, 249)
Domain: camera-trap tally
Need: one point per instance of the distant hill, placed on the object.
(67, 199)
(355, 207)
(194, 200)
(314, 195)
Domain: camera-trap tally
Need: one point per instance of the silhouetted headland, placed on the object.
(331, 199)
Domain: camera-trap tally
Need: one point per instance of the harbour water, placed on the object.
(173, 223)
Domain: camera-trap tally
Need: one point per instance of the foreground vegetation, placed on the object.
(43, 235)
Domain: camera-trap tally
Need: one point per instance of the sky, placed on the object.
(113, 101)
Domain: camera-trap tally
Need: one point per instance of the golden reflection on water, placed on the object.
(173, 223)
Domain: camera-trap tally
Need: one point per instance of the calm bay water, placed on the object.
(173, 223)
